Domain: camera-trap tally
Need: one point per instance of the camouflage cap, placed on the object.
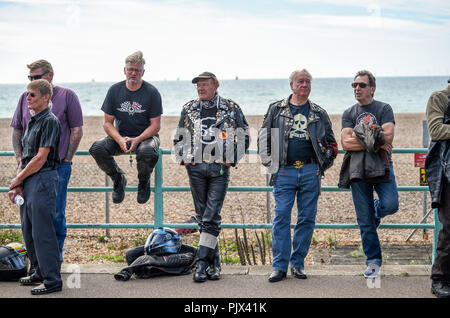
(204, 75)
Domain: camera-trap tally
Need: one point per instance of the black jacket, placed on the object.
(370, 165)
(437, 164)
(231, 123)
(147, 266)
(279, 119)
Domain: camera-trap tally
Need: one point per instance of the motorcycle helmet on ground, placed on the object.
(162, 241)
(13, 261)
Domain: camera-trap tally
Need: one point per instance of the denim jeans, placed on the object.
(291, 183)
(370, 210)
(59, 222)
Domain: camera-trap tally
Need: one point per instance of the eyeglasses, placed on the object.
(36, 77)
(135, 70)
(33, 95)
(362, 85)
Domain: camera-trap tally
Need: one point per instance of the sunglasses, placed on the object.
(36, 77)
(33, 95)
(362, 85)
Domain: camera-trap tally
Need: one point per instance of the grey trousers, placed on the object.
(37, 214)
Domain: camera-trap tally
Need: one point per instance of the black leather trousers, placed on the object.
(104, 149)
(441, 266)
(208, 188)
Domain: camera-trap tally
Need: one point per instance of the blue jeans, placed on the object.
(303, 183)
(59, 222)
(369, 211)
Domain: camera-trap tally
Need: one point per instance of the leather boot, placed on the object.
(143, 191)
(120, 182)
(213, 271)
(204, 254)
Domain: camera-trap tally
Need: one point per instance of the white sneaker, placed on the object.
(372, 271)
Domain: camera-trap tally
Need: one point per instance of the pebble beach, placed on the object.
(90, 245)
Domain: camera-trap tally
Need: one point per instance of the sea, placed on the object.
(404, 94)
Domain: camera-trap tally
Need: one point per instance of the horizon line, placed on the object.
(237, 78)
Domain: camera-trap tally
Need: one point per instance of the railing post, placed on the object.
(268, 200)
(107, 204)
(158, 198)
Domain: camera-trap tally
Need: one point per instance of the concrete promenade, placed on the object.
(324, 281)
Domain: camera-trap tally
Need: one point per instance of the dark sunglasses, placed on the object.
(362, 85)
(36, 77)
(31, 94)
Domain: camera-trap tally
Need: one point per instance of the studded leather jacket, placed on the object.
(273, 137)
(231, 133)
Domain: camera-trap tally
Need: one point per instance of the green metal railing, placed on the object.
(159, 190)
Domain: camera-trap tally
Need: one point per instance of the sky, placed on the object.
(89, 40)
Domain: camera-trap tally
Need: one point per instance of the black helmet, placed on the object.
(13, 261)
(162, 241)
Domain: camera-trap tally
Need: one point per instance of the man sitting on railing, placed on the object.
(135, 106)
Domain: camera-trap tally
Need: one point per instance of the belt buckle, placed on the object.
(207, 157)
(299, 164)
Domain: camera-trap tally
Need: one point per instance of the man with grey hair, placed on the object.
(211, 137)
(297, 144)
(135, 107)
(66, 106)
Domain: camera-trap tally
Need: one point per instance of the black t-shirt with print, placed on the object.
(208, 119)
(132, 109)
(300, 146)
(376, 112)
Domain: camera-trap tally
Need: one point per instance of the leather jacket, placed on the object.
(274, 135)
(232, 129)
(370, 165)
(437, 164)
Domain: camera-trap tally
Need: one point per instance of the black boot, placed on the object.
(204, 256)
(143, 191)
(213, 271)
(120, 182)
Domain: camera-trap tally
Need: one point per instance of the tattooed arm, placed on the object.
(17, 143)
(75, 137)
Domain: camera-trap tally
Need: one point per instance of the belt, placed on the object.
(300, 163)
